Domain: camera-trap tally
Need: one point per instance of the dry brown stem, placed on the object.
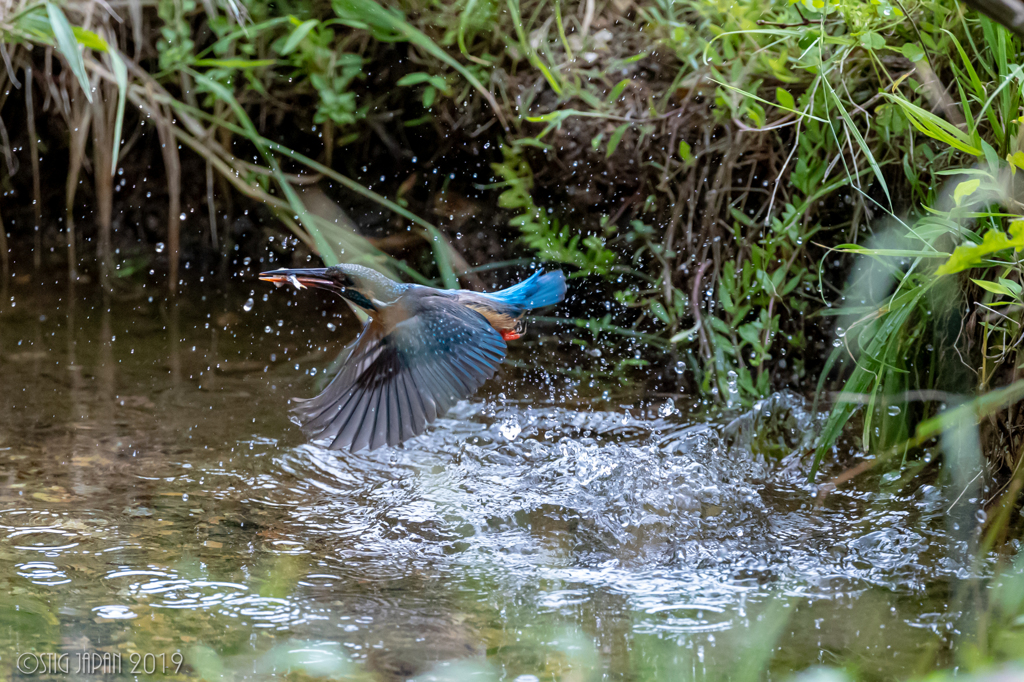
(172, 165)
(33, 150)
(102, 148)
(81, 122)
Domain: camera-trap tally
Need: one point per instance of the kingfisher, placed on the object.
(420, 351)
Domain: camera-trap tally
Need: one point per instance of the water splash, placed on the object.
(526, 506)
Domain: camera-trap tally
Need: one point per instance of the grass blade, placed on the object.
(68, 46)
(855, 134)
(121, 76)
(935, 127)
(326, 250)
(369, 13)
(442, 256)
(300, 32)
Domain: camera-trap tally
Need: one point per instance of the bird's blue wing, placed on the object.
(395, 383)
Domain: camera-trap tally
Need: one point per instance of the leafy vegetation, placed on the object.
(720, 168)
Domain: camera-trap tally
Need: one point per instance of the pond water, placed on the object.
(156, 499)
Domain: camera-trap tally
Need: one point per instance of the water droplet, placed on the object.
(980, 516)
(510, 428)
(331, 326)
(668, 408)
(248, 305)
(732, 382)
(894, 410)
(159, 247)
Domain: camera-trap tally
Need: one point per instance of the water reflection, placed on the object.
(156, 498)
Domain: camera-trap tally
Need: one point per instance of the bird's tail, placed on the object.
(540, 289)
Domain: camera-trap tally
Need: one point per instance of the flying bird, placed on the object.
(421, 351)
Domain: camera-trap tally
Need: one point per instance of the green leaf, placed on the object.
(420, 77)
(686, 335)
(300, 32)
(976, 85)
(386, 23)
(718, 325)
(935, 127)
(613, 141)
(991, 156)
(971, 255)
(751, 333)
(913, 52)
(121, 76)
(965, 189)
(864, 379)
(443, 258)
(1014, 287)
(67, 44)
(659, 311)
(872, 41)
(686, 154)
(727, 303)
(757, 98)
(235, 63)
(854, 132)
(617, 90)
(89, 39)
(993, 287)
(784, 98)
(413, 79)
(899, 253)
(790, 285)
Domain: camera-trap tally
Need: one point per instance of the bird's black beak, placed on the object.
(302, 278)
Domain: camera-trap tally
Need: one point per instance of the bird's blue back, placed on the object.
(538, 290)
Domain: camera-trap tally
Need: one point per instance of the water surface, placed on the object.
(155, 498)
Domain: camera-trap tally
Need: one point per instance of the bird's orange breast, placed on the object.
(502, 322)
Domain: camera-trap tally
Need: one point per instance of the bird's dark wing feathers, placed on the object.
(393, 385)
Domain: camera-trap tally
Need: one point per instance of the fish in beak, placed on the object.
(301, 278)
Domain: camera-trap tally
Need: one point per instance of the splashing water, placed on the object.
(510, 428)
(161, 499)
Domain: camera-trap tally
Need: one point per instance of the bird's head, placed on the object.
(365, 287)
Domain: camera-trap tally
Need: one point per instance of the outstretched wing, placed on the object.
(393, 384)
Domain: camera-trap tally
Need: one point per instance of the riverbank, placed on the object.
(749, 199)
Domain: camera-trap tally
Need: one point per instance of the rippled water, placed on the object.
(155, 498)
